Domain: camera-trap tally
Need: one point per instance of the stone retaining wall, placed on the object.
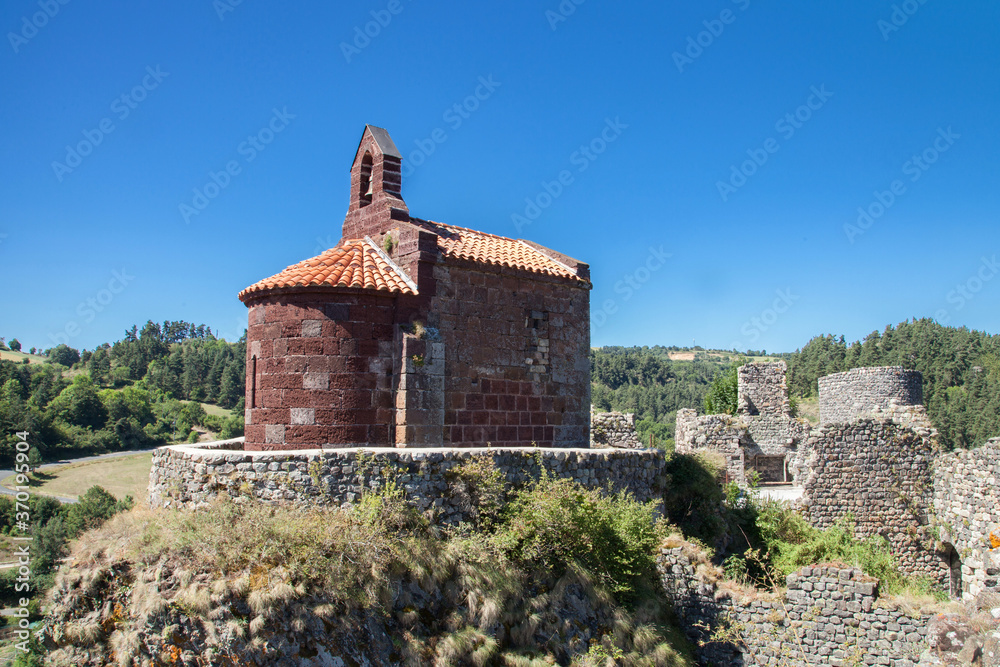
(862, 392)
(190, 475)
(829, 615)
(967, 505)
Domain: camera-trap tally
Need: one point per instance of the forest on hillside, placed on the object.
(645, 381)
(147, 388)
(961, 372)
(144, 390)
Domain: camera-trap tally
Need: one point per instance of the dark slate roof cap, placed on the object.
(384, 142)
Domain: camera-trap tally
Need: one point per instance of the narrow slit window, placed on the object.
(253, 381)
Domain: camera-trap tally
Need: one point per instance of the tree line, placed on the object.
(960, 368)
(141, 391)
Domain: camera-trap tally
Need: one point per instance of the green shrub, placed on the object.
(694, 497)
(94, 508)
(779, 542)
(723, 397)
(557, 522)
(478, 488)
(232, 427)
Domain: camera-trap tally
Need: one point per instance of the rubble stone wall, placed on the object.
(829, 615)
(191, 475)
(613, 429)
(762, 390)
(967, 508)
(763, 443)
(863, 392)
(879, 472)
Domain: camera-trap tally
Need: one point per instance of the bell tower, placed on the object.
(376, 186)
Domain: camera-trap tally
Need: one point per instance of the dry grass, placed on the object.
(920, 603)
(809, 409)
(448, 596)
(19, 357)
(121, 476)
(7, 548)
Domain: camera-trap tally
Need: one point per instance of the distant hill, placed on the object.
(961, 370)
(144, 390)
(654, 382)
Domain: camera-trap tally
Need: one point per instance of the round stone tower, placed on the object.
(861, 392)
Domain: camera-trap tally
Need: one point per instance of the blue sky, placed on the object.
(713, 157)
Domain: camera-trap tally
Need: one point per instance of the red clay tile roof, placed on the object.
(469, 244)
(353, 263)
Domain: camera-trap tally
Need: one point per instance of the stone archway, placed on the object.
(953, 565)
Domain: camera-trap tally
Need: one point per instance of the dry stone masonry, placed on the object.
(864, 392)
(613, 429)
(193, 476)
(762, 390)
(879, 473)
(967, 505)
(762, 437)
(829, 615)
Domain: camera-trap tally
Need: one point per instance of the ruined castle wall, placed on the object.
(613, 429)
(865, 392)
(762, 389)
(967, 508)
(723, 434)
(191, 475)
(879, 471)
(829, 615)
(769, 444)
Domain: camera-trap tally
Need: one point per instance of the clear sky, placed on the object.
(709, 160)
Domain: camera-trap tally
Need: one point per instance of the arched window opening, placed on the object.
(954, 564)
(366, 188)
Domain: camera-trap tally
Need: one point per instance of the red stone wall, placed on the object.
(492, 324)
(323, 371)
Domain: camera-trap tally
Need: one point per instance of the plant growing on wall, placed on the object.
(723, 396)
